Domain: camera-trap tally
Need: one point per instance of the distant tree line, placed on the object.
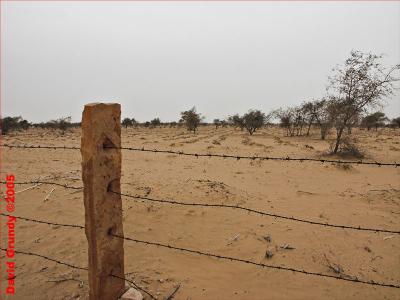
(9, 124)
(13, 123)
(354, 98)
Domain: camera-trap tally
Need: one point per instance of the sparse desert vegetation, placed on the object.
(226, 150)
(342, 194)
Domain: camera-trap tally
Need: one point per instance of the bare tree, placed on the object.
(299, 120)
(321, 115)
(309, 116)
(317, 112)
(358, 85)
(292, 119)
(353, 122)
(286, 119)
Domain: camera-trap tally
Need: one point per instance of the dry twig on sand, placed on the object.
(48, 195)
(28, 188)
(287, 246)
(336, 268)
(171, 296)
(231, 240)
(58, 280)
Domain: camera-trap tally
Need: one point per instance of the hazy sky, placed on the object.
(160, 58)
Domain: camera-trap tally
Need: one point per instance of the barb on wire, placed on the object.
(232, 156)
(254, 157)
(240, 208)
(250, 210)
(39, 147)
(48, 258)
(353, 279)
(43, 222)
(47, 183)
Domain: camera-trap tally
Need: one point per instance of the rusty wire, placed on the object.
(230, 156)
(202, 253)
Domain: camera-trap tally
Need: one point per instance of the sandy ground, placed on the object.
(360, 196)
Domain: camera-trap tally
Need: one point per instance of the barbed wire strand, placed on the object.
(238, 157)
(66, 225)
(47, 258)
(46, 183)
(250, 210)
(354, 279)
(40, 147)
(43, 222)
(231, 156)
(241, 208)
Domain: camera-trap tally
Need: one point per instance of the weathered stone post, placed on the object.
(101, 172)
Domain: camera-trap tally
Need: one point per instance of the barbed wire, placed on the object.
(43, 222)
(68, 264)
(48, 258)
(250, 210)
(176, 202)
(40, 147)
(238, 207)
(230, 156)
(353, 279)
(255, 157)
(46, 183)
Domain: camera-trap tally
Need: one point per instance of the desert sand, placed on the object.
(356, 195)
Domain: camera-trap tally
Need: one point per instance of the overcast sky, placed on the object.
(160, 58)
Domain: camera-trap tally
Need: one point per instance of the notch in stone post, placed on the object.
(101, 174)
